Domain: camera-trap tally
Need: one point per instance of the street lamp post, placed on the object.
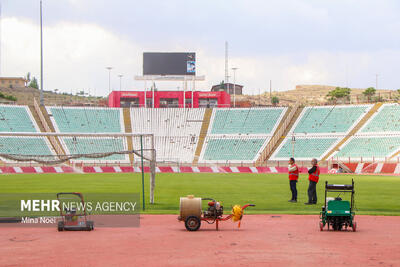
(109, 79)
(120, 81)
(41, 55)
(234, 86)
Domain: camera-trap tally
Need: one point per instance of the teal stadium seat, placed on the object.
(232, 149)
(90, 120)
(245, 121)
(15, 119)
(386, 120)
(368, 147)
(24, 145)
(82, 145)
(330, 119)
(87, 120)
(305, 148)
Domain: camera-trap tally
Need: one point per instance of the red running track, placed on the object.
(262, 240)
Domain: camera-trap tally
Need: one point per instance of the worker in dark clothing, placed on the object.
(293, 177)
(313, 177)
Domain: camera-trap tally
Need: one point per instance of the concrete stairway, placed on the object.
(128, 129)
(45, 125)
(48, 126)
(395, 155)
(203, 134)
(36, 118)
(283, 129)
(353, 131)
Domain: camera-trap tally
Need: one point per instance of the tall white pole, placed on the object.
(109, 79)
(41, 56)
(234, 86)
(270, 91)
(184, 95)
(226, 67)
(145, 93)
(193, 88)
(120, 81)
(1, 20)
(153, 85)
(226, 63)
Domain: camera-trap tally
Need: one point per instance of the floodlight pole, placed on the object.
(109, 79)
(41, 56)
(184, 94)
(153, 88)
(145, 94)
(270, 91)
(193, 88)
(0, 39)
(234, 86)
(120, 81)
(141, 152)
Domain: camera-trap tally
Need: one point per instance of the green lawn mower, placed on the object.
(337, 213)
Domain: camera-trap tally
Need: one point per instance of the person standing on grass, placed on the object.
(293, 177)
(313, 177)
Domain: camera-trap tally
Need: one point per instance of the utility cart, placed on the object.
(338, 213)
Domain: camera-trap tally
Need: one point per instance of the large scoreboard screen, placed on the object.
(155, 63)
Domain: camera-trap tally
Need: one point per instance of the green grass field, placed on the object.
(375, 195)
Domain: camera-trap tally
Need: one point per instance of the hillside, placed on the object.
(312, 95)
(306, 94)
(25, 96)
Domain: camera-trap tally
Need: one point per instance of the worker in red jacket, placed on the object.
(293, 177)
(313, 177)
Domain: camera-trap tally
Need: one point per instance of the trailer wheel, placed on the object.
(60, 226)
(354, 226)
(192, 223)
(321, 226)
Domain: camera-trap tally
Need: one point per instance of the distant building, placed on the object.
(228, 88)
(168, 99)
(12, 82)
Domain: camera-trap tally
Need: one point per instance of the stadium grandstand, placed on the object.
(200, 137)
(318, 129)
(90, 120)
(378, 139)
(19, 119)
(239, 135)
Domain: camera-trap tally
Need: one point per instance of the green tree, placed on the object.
(275, 100)
(28, 78)
(369, 92)
(8, 97)
(339, 93)
(222, 85)
(34, 83)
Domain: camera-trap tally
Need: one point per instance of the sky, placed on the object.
(290, 42)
